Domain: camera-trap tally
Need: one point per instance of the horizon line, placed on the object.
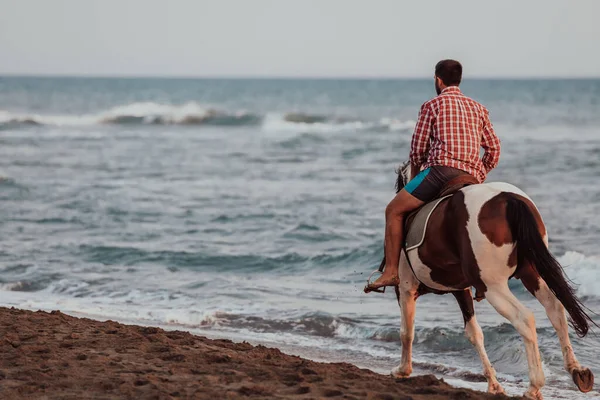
(292, 77)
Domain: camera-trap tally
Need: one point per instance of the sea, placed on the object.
(253, 209)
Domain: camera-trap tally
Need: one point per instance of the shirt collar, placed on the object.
(451, 89)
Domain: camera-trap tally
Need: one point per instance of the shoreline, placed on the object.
(54, 355)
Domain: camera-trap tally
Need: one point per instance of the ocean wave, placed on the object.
(504, 344)
(11, 120)
(584, 271)
(440, 351)
(14, 286)
(307, 123)
(301, 118)
(290, 262)
(187, 114)
(199, 261)
(149, 113)
(314, 324)
(30, 283)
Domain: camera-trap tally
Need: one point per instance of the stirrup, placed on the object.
(367, 289)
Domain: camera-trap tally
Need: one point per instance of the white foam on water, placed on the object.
(584, 271)
(195, 113)
(11, 286)
(154, 112)
(146, 112)
(277, 123)
(40, 119)
(397, 125)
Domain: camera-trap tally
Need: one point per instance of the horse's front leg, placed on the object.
(406, 292)
(475, 335)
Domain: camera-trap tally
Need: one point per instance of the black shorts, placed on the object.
(427, 185)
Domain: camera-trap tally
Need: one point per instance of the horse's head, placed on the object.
(403, 175)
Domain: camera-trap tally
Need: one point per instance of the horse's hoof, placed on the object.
(533, 395)
(495, 388)
(584, 379)
(400, 372)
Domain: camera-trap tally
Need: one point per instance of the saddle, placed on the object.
(454, 185)
(416, 222)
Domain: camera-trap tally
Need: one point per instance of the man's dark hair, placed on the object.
(449, 71)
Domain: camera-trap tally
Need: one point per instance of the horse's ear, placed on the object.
(400, 179)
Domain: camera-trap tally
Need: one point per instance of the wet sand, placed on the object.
(56, 356)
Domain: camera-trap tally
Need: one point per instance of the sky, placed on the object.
(299, 38)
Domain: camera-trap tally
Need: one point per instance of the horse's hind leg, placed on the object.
(475, 335)
(583, 377)
(501, 298)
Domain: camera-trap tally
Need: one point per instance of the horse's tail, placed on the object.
(532, 248)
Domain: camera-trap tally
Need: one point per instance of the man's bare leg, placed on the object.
(402, 204)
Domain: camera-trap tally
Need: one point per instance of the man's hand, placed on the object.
(490, 143)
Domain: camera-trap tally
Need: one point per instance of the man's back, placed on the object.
(445, 146)
(450, 132)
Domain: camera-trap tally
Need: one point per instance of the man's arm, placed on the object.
(420, 140)
(490, 143)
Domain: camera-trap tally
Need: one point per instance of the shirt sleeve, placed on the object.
(490, 143)
(421, 136)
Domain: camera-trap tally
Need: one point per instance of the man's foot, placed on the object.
(383, 281)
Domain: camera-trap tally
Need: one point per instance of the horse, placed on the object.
(480, 237)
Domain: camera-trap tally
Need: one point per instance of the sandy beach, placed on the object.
(56, 356)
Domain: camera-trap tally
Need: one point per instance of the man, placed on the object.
(446, 143)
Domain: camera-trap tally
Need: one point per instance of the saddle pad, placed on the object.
(415, 232)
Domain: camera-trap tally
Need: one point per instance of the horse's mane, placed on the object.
(402, 176)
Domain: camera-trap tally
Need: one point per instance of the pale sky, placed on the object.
(375, 38)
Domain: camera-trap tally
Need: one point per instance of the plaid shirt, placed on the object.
(450, 131)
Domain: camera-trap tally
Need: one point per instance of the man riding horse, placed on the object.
(446, 142)
(476, 236)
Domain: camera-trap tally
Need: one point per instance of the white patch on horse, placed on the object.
(505, 187)
(491, 259)
(423, 272)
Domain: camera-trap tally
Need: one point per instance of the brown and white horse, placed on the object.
(481, 237)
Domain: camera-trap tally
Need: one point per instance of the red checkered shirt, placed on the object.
(450, 131)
